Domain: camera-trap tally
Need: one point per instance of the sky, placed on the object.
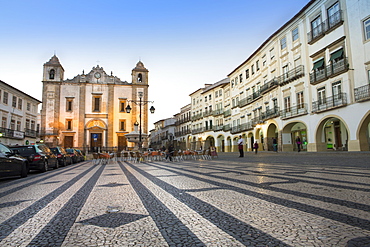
(183, 44)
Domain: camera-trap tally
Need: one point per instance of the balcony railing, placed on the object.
(256, 120)
(295, 111)
(197, 131)
(218, 112)
(218, 128)
(196, 117)
(325, 27)
(14, 134)
(182, 133)
(184, 120)
(329, 71)
(241, 128)
(271, 113)
(30, 133)
(362, 93)
(329, 103)
(227, 113)
(227, 127)
(291, 75)
(269, 86)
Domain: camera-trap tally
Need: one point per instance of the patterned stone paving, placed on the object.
(268, 199)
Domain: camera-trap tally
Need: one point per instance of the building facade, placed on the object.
(19, 115)
(307, 84)
(163, 134)
(89, 111)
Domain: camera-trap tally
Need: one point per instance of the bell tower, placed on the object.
(140, 74)
(53, 70)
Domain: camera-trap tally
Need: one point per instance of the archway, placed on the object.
(259, 139)
(289, 134)
(220, 143)
(96, 134)
(229, 145)
(364, 134)
(250, 141)
(210, 141)
(332, 134)
(272, 132)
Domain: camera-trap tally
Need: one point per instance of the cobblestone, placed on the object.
(269, 199)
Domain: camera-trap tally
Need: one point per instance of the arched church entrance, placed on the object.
(96, 132)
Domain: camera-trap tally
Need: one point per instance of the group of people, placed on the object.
(255, 145)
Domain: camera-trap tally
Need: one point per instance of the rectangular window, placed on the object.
(321, 95)
(220, 92)
(122, 105)
(28, 106)
(27, 124)
(287, 103)
(272, 54)
(122, 125)
(283, 43)
(69, 106)
(5, 98)
(300, 100)
(1, 93)
(210, 97)
(337, 89)
(333, 15)
(241, 78)
(19, 125)
(258, 65)
(14, 102)
(205, 99)
(20, 102)
(4, 121)
(252, 68)
(295, 34)
(69, 124)
(33, 125)
(247, 73)
(96, 104)
(367, 29)
(12, 124)
(316, 27)
(216, 94)
(368, 76)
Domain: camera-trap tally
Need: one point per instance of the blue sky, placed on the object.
(183, 44)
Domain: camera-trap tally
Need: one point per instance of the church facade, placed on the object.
(89, 111)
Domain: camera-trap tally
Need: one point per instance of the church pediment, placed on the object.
(96, 123)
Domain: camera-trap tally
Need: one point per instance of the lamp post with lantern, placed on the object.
(140, 103)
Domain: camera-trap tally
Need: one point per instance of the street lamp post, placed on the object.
(140, 103)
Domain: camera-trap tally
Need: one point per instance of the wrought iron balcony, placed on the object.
(227, 113)
(295, 111)
(14, 134)
(269, 86)
(329, 103)
(325, 27)
(271, 113)
(227, 127)
(196, 117)
(218, 112)
(30, 133)
(291, 75)
(241, 128)
(331, 70)
(362, 93)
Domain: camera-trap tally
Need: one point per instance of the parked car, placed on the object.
(39, 156)
(74, 155)
(11, 164)
(63, 157)
(81, 155)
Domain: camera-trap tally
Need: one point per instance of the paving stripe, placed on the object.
(244, 233)
(20, 218)
(57, 229)
(207, 232)
(171, 228)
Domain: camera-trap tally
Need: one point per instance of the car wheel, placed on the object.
(44, 166)
(56, 164)
(64, 162)
(24, 171)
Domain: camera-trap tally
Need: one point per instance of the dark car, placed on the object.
(73, 154)
(39, 156)
(12, 164)
(80, 154)
(63, 157)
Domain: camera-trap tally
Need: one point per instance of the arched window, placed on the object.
(52, 74)
(140, 78)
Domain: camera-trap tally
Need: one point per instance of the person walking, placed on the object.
(298, 141)
(240, 147)
(255, 146)
(274, 144)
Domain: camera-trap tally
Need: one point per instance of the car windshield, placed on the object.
(70, 151)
